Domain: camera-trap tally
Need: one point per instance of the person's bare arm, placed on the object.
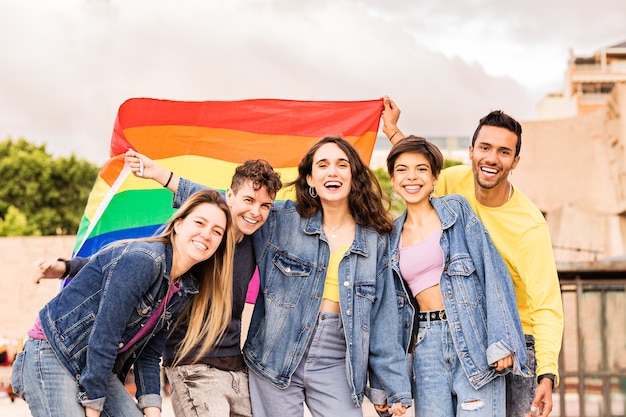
(144, 167)
(48, 269)
(542, 404)
(390, 116)
(57, 268)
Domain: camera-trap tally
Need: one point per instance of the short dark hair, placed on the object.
(416, 144)
(260, 172)
(498, 118)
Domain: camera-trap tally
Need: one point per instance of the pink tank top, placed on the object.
(421, 264)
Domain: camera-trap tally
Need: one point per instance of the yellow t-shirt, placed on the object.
(520, 233)
(331, 286)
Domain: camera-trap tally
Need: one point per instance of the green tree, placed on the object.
(16, 224)
(50, 193)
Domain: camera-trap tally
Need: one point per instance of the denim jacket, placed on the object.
(477, 293)
(292, 255)
(103, 307)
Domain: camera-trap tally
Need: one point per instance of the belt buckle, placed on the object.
(433, 315)
(442, 315)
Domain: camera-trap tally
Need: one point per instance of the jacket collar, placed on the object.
(188, 282)
(447, 217)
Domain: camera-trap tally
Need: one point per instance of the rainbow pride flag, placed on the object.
(204, 142)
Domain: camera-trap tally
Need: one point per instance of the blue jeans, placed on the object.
(440, 386)
(50, 391)
(201, 390)
(520, 391)
(319, 380)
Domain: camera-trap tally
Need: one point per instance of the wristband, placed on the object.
(67, 267)
(394, 133)
(549, 376)
(169, 179)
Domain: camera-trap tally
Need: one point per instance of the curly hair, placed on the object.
(260, 172)
(366, 196)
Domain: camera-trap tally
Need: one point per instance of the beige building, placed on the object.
(574, 169)
(589, 81)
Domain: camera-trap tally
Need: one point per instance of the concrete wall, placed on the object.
(574, 169)
(20, 298)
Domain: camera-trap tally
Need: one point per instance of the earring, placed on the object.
(430, 196)
(312, 192)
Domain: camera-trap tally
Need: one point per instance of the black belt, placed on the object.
(432, 315)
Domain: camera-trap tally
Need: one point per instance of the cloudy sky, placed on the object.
(67, 65)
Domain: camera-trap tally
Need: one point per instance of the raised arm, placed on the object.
(390, 117)
(57, 268)
(144, 167)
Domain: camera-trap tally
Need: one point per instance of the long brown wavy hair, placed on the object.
(366, 196)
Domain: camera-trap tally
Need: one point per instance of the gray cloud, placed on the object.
(69, 64)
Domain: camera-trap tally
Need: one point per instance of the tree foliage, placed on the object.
(48, 194)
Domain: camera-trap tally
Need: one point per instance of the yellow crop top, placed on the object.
(331, 286)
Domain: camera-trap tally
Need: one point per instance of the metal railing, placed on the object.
(592, 364)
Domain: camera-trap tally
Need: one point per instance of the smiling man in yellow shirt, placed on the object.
(520, 232)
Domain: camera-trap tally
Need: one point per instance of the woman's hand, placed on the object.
(144, 167)
(504, 363)
(91, 412)
(152, 412)
(44, 269)
(390, 116)
(396, 409)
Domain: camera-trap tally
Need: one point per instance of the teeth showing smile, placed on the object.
(333, 184)
(412, 187)
(199, 245)
(249, 221)
(491, 171)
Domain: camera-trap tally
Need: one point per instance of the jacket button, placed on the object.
(346, 283)
(288, 269)
(348, 312)
(120, 345)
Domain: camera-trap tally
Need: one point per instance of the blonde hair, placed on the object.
(209, 312)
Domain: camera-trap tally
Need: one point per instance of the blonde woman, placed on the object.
(117, 311)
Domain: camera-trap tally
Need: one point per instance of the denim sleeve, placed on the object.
(505, 334)
(121, 292)
(387, 361)
(185, 189)
(148, 372)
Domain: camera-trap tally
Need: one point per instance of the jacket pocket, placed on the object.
(142, 311)
(75, 334)
(365, 293)
(462, 272)
(17, 379)
(287, 280)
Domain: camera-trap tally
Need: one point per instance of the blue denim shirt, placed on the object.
(477, 293)
(103, 307)
(292, 255)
